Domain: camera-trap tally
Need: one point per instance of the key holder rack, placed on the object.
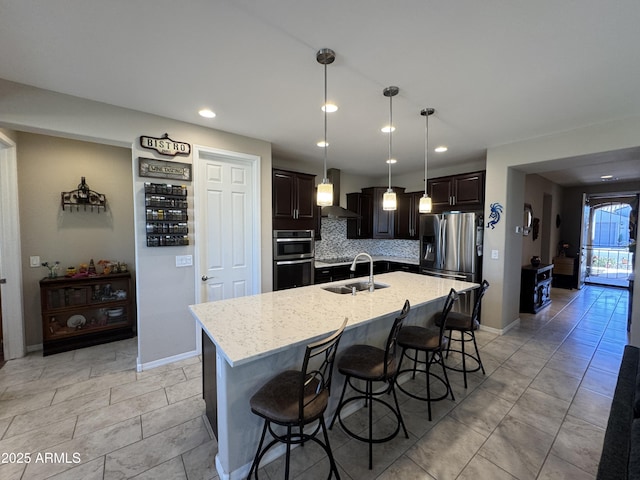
(83, 196)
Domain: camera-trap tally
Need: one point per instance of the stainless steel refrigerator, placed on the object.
(451, 245)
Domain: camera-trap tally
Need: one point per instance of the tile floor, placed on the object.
(540, 411)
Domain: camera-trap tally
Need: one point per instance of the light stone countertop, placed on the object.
(248, 328)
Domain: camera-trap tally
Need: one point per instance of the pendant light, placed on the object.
(425, 201)
(389, 198)
(325, 56)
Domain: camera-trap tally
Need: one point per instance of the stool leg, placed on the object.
(427, 366)
(254, 465)
(464, 359)
(332, 462)
(395, 397)
(288, 456)
(370, 400)
(446, 377)
(337, 412)
(473, 335)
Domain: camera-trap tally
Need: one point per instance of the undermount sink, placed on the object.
(348, 287)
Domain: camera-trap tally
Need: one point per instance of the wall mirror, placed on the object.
(528, 219)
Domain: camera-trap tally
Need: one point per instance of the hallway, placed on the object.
(540, 411)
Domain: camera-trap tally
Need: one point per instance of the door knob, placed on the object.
(204, 278)
(3, 280)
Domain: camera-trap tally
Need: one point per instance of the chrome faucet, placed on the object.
(353, 268)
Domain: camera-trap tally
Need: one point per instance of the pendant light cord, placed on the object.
(326, 145)
(426, 149)
(390, 134)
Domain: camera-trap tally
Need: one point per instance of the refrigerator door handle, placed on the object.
(455, 276)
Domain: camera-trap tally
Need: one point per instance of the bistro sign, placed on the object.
(165, 145)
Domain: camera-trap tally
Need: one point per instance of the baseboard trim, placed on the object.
(140, 367)
(501, 331)
(34, 348)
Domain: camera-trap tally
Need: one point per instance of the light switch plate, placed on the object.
(184, 260)
(494, 254)
(34, 261)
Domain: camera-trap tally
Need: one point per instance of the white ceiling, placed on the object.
(495, 71)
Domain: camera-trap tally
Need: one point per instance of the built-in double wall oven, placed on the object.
(293, 258)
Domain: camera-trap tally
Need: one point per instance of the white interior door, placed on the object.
(228, 224)
(12, 317)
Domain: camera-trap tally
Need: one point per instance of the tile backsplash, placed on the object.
(335, 243)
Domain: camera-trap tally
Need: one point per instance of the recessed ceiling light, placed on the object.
(441, 149)
(392, 160)
(322, 144)
(606, 177)
(330, 108)
(206, 113)
(387, 129)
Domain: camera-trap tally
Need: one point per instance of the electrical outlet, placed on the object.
(184, 260)
(34, 261)
(494, 254)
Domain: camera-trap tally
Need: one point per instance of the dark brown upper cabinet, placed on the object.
(457, 192)
(407, 216)
(362, 204)
(375, 222)
(293, 202)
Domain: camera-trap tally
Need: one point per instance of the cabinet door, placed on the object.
(407, 216)
(383, 220)
(469, 189)
(283, 185)
(361, 204)
(404, 217)
(306, 202)
(441, 193)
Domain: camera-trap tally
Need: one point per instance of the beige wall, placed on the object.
(46, 167)
(166, 330)
(536, 187)
(506, 186)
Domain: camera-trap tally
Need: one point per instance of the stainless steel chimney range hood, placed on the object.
(335, 210)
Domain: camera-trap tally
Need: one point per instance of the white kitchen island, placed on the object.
(247, 340)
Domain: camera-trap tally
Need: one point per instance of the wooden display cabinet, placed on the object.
(535, 288)
(80, 312)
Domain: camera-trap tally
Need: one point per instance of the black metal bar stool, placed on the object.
(466, 325)
(297, 398)
(371, 364)
(432, 342)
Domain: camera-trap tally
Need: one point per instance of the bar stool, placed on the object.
(371, 364)
(466, 325)
(296, 398)
(432, 342)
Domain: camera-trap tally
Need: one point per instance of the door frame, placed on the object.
(10, 252)
(199, 202)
